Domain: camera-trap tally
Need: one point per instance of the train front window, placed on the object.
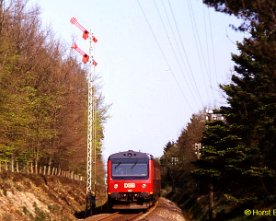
(129, 169)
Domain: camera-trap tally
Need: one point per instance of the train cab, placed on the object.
(133, 180)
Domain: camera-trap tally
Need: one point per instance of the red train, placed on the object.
(133, 180)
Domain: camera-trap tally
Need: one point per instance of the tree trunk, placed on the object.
(211, 201)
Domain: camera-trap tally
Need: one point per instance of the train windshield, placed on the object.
(134, 168)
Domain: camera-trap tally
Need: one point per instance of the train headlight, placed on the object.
(116, 186)
(144, 185)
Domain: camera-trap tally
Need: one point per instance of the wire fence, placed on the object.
(31, 168)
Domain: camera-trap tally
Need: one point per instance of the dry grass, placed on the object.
(35, 197)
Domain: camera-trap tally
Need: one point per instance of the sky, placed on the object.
(159, 62)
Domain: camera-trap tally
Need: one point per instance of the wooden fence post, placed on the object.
(17, 166)
(6, 165)
(32, 168)
(27, 168)
(12, 164)
(36, 168)
(49, 170)
(53, 171)
(72, 175)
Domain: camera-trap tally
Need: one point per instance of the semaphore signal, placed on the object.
(91, 128)
(85, 57)
(75, 22)
(85, 33)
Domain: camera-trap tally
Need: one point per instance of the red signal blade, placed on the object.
(75, 22)
(85, 57)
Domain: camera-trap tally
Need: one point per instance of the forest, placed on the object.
(43, 95)
(222, 166)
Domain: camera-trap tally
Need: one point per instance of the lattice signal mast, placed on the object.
(91, 130)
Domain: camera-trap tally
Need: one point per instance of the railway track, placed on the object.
(123, 215)
(118, 217)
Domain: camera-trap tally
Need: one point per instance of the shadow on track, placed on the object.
(98, 210)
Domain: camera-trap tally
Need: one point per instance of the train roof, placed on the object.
(130, 154)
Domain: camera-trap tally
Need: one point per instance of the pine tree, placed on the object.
(239, 155)
(252, 93)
